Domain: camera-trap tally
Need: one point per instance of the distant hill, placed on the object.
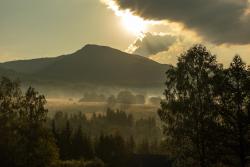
(8, 72)
(93, 64)
(28, 66)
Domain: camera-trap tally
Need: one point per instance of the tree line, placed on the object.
(123, 99)
(206, 111)
(30, 139)
(115, 131)
(109, 122)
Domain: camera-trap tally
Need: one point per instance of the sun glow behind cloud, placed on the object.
(139, 27)
(134, 24)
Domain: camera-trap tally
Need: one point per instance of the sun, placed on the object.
(134, 24)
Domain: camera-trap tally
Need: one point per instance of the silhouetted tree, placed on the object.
(188, 112)
(111, 149)
(81, 145)
(25, 141)
(234, 102)
(65, 142)
(10, 99)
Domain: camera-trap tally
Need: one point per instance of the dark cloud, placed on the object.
(153, 44)
(218, 21)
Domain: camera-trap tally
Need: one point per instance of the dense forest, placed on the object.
(205, 117)
(74, 132)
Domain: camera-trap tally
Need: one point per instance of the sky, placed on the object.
(157, 29)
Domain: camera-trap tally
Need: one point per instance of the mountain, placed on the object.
(8, 72)
(28, 66)
(95, 65)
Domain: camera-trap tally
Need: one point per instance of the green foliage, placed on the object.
(206, 110)
(75, 142)
(82, 146)
(233, 103)
(65, 142)
(188, 112)
(109, 123)
(111, 149)
(24, 141)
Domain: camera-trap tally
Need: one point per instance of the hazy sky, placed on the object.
(46, 28)
(41, 28)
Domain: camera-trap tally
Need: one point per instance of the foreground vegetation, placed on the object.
(30, 139)
(24, 142)
(206, 112)
(205, 115)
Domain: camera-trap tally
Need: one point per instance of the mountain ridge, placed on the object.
(93, 64)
